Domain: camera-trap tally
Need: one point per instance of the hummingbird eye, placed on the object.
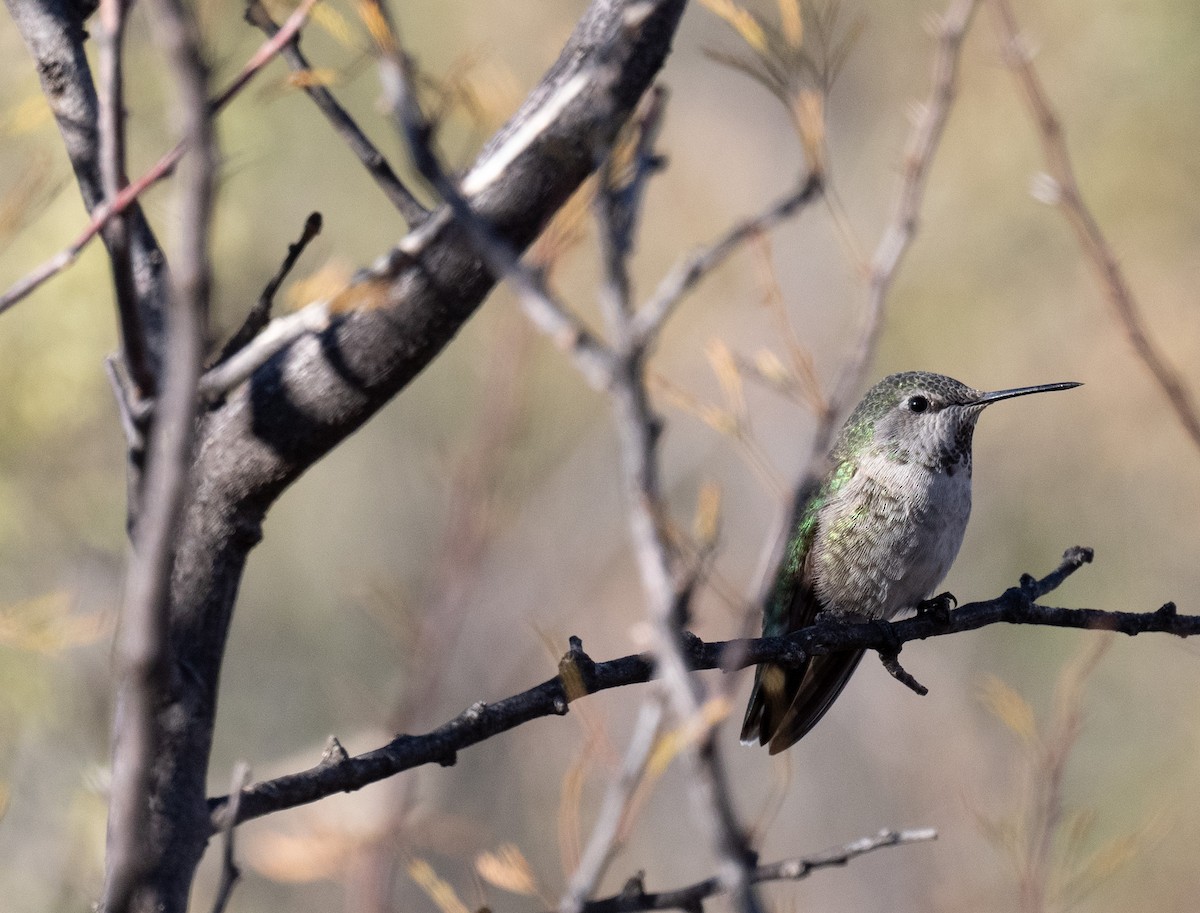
(917, 403)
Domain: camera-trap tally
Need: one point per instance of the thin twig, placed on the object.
(343, 124)
(230, 872)
(634, 897)
(143, 642)
(1097, 250)
(923, 144)
(111, 127)
(605, 839)
(693, 268)
(161, 169)
(260, 314)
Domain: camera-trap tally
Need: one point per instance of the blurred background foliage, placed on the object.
(444, 554)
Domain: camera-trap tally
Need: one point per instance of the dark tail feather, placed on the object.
(774, 688)
(787, 703)
(825, 678)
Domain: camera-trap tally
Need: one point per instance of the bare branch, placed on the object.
(1099, 253)
(372, 159)
(922, 146)
(638, 428)
(635, 898)
(1017, 606)
(230, 872)
(696, 266)
(144, 668)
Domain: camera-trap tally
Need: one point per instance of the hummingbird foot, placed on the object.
(938, 607)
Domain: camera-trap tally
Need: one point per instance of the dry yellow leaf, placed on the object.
(724, 365)
(28, 115)
(793, 22)
(711, 713)
(305, 79)
(742, 21)
(508, 869)
(442, 895)
(298, 858)
(327, 282)
(377, 25)
(770, 367)
(334, 23)
(707, 521)
(46, 624)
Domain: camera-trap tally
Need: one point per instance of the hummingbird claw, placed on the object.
(938, 607)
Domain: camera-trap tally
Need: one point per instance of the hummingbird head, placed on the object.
(924, 418)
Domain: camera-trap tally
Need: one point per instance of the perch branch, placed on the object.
(481, 721)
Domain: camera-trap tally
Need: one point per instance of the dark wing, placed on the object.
(786, 703)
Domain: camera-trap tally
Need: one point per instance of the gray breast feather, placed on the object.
(888, 538)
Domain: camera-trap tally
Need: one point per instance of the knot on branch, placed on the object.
(577, 671)
(692, 647)
(1078, 555)
(333, 755)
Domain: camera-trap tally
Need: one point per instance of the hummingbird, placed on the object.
(874, 539)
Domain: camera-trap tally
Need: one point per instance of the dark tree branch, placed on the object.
(73, 82)
(481, 721)
(323, 385)
(53, 32)
(372, 159)
(634, 897)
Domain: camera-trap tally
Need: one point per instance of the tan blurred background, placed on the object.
(444, 554)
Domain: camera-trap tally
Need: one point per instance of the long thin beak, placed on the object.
(988, 398)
